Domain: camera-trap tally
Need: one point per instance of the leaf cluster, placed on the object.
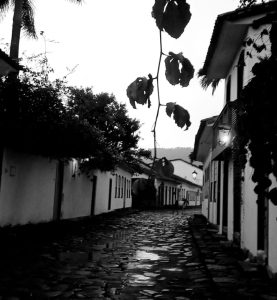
(257, 126)
(171, 16)
(179, 69)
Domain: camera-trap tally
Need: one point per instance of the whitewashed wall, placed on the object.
(118, 200)
(272, 234)
(27, 188)
(77, 192)
(249, 221)
(206, 186)
(254, 34)
(230, 220)
(248, 209)
(213, 197)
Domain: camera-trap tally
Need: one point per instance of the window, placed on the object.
(119, 186)
(122, 183)
(115, 189)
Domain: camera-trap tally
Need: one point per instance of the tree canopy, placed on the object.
(63, 122)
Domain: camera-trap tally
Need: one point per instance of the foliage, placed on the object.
(27, 15)
(171, 16)
(257, 125)
(164, 167)
(247, 3)
(59, 121)
(23, 17)
(180, 115)
(205, 82)
(118, 132)
(174, 74)
(140, 90)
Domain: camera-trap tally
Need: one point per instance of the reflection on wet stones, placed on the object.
(143, 255)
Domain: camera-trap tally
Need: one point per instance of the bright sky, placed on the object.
(114, 42)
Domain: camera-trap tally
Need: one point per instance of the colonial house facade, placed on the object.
(229, 201)
(174, 187)
(35, 189)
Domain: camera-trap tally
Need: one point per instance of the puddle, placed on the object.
(140, 255)
(173, 270)
(138, 280)
(159, 248)
(139, 266)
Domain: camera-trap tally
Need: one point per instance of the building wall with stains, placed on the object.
(27, 188)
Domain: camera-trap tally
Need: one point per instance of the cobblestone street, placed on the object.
(144, 255)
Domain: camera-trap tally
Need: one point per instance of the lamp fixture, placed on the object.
(194, 174)
(224, 134)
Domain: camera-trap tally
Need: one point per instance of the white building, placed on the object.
(175, 187)
(35, 189)
(231, 202)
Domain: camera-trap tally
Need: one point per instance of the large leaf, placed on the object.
(178, 69)
(187, 72)
(172, 72)
(180, 115)
(140, 90)
(173, 17)
(164, 167)
(157, 12)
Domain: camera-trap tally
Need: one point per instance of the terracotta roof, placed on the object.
(234, 16)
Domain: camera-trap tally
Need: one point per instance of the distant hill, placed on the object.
(173, 153)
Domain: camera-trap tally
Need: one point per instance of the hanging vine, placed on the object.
(257, 123)
(172, 16)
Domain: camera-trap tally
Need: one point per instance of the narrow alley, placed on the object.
(141, 255)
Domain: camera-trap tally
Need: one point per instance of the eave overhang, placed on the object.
(227, 117)
(203, 139)
(228, 35)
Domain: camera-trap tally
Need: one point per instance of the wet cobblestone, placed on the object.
(144, 255)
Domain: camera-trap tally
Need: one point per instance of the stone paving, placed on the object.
(143, 255)
(233, 276)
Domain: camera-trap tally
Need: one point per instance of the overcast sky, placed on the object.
(111, 43)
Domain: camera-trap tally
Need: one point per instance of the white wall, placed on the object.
(27, 188)
(230, 221)
(119, 199)
(254, 34)
(220, 231)
(204, 208)
(77, 192)
(272, 234)
(249, 222)
(185, 169)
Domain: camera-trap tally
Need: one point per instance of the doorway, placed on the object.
(225, 192)
(58, 197)
(93, 195)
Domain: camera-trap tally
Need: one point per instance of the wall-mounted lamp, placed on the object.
(194, 174)
(224, 135)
